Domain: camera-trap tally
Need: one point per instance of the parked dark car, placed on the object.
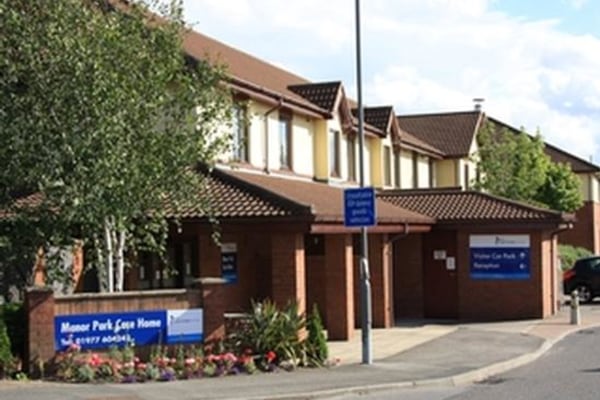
(584, 277)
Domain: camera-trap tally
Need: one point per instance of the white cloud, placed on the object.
(429, 56)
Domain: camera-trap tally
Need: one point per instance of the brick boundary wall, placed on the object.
(41, 306)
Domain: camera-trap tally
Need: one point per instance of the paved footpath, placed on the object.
(411, 355)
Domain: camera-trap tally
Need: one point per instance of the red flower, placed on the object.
(270, 356)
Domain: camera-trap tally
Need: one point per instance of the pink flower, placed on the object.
(229, 357)
(190, 361)
(74, 347)
(141, 366)
(95, 360)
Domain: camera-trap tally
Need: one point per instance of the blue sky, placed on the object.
(536, 63)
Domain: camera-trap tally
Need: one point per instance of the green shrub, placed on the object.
(317, 351)
(6, 358)
(15, 320)
(569, 254)
(272, 333)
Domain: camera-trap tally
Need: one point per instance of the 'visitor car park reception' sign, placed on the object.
(104, 330)
(499, 256)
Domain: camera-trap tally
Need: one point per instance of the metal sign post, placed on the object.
(365, 284)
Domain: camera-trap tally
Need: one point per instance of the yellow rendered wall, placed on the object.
(423, 171)
(589, 187)
(406, 169)
(374, 144)
(320, 150)
(302, 144)
(445, 173)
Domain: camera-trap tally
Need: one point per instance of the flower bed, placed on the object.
(183, 362)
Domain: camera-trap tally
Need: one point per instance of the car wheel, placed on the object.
(584, 293)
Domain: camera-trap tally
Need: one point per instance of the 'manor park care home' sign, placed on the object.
(96, 331)
(499, 256)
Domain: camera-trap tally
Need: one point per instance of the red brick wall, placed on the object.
(288, 269)
(586, 230)
(315, 285)
(381, 280)
(339, 287)
(500, 299)
(408, 277)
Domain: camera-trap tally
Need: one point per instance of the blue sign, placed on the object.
(500, 257)
(229, 268)
(359, 207)
(103, 330)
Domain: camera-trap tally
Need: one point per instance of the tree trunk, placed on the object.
(109, 255)
(120, 260)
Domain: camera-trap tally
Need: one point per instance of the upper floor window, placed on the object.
(351, 143)
(334, 153)
(240, 132)
(415, 170)
(397, 161)
(387, 166)
(432, 173)
(285, 140)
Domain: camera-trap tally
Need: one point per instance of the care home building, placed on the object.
(438, 249)
(278, 197)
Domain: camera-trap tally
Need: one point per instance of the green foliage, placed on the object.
(514, 165)
(6, 358)
(569, 254)
(560, 191)
(316, 343)
(104, 117)
(274, 333)
(15, 319)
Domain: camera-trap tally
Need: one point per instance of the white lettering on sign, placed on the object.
(67, 327)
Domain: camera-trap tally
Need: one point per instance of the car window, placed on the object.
(594, 264)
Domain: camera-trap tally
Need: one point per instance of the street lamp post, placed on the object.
(365, 284)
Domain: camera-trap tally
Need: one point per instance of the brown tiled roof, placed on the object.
(322, 94)
(452, 133)
(25, 202)
(577, 164)
(325, 201)
(379, 117)
(231, 199)
(413, 142)
(245, 69)
(453, 205)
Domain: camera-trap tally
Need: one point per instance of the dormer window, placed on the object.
(387, 166)
(351, 155)
(285, 140)
(334, 153)
(240, 132)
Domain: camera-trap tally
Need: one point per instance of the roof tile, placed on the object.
(322, 94)
(453, 205)
(452, 133)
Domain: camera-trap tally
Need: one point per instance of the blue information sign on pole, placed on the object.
(359, 207)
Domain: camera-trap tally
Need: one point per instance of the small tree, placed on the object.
(105, 118)
(560, 191)
(514, 165)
